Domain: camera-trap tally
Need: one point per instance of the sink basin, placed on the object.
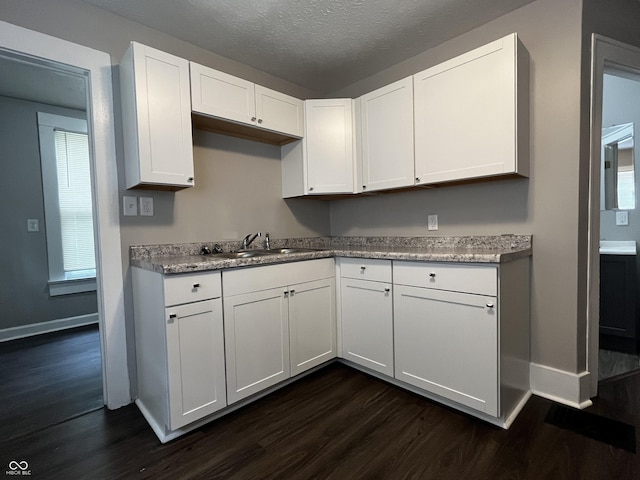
(247, 254)
(260, 253)
(290, 250)
(617, 247)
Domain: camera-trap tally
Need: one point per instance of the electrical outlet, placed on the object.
(33, 225)
(130, 206)
(622, 218)
(432, 222)
(146, 206)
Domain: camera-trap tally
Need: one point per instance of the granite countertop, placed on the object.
(184, 258)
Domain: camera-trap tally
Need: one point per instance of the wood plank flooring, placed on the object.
(49, 378)
(335, 424)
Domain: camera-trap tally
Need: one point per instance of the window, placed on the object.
(66, 180)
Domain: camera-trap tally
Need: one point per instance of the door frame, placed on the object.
(606, 54)
(96, 68)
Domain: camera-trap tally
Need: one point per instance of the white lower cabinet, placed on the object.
(195, 359)
(447, 343)
(179, 347)
(279, 321)
(367, 313)
(257, 341)
(461, 332)
(312, 324)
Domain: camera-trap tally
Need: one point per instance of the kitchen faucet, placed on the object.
(246, 241)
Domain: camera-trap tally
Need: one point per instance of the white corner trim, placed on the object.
(564, 387)
(22, 331)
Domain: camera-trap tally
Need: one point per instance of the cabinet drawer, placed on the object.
(478, 279)
(366, 269)
(191, 287)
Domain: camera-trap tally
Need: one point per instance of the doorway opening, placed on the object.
(614, 216)
(50, 257)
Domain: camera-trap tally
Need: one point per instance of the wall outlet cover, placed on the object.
(622, 218)
(33, 225)
(432, 222)
(146, 206)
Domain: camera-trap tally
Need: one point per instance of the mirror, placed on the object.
(617, 190)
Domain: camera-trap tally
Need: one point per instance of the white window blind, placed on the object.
(74, 201)
(68, 207)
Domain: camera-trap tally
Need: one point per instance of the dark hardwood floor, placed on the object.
(335, 424)
(47, 379)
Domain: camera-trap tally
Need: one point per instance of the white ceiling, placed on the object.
(323, 45)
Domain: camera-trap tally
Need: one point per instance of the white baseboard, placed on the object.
(568, 388)
(22, 331)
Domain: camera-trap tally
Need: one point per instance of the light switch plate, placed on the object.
(622, 218)
(130, 206)
(432, 222)
(146, 206)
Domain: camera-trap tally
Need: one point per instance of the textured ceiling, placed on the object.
(319, 44)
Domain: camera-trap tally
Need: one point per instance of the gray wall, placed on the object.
(551, 205)
(545, 205)
(621, 104)
(24, 293)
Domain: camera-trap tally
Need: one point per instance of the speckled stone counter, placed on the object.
(185, 257)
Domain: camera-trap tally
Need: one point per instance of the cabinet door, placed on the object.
(329, 146)
(218, 94)
(447, 343)
(618, 319)
(256, 330)
(279, 112)
(312, 322)
(386, 123)
(465, 115)
(156, 108)
(367, 324)
(195, 359)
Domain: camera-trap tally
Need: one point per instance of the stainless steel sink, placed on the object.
(248, 254)
(261, 253)
(290, 250)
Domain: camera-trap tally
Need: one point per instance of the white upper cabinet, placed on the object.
(323, 162)
(385, 119)
(279, 112)
(471, 115)
(156, 115)
(230, 98)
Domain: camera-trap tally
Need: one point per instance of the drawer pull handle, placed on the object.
(196, 285)
(489, 305)
(173, 315)
(432, 275)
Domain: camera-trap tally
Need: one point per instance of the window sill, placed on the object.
(68, 287)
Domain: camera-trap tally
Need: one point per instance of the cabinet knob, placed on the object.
(364, 187)
(253, 119)
(432, 275)
(259, 120)
(387, 290)
(196, 285)
(362, 269)
(489, 305)
(190, 179)
(172, 316)
(418, 179)
(311, 189)
(291, 292)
